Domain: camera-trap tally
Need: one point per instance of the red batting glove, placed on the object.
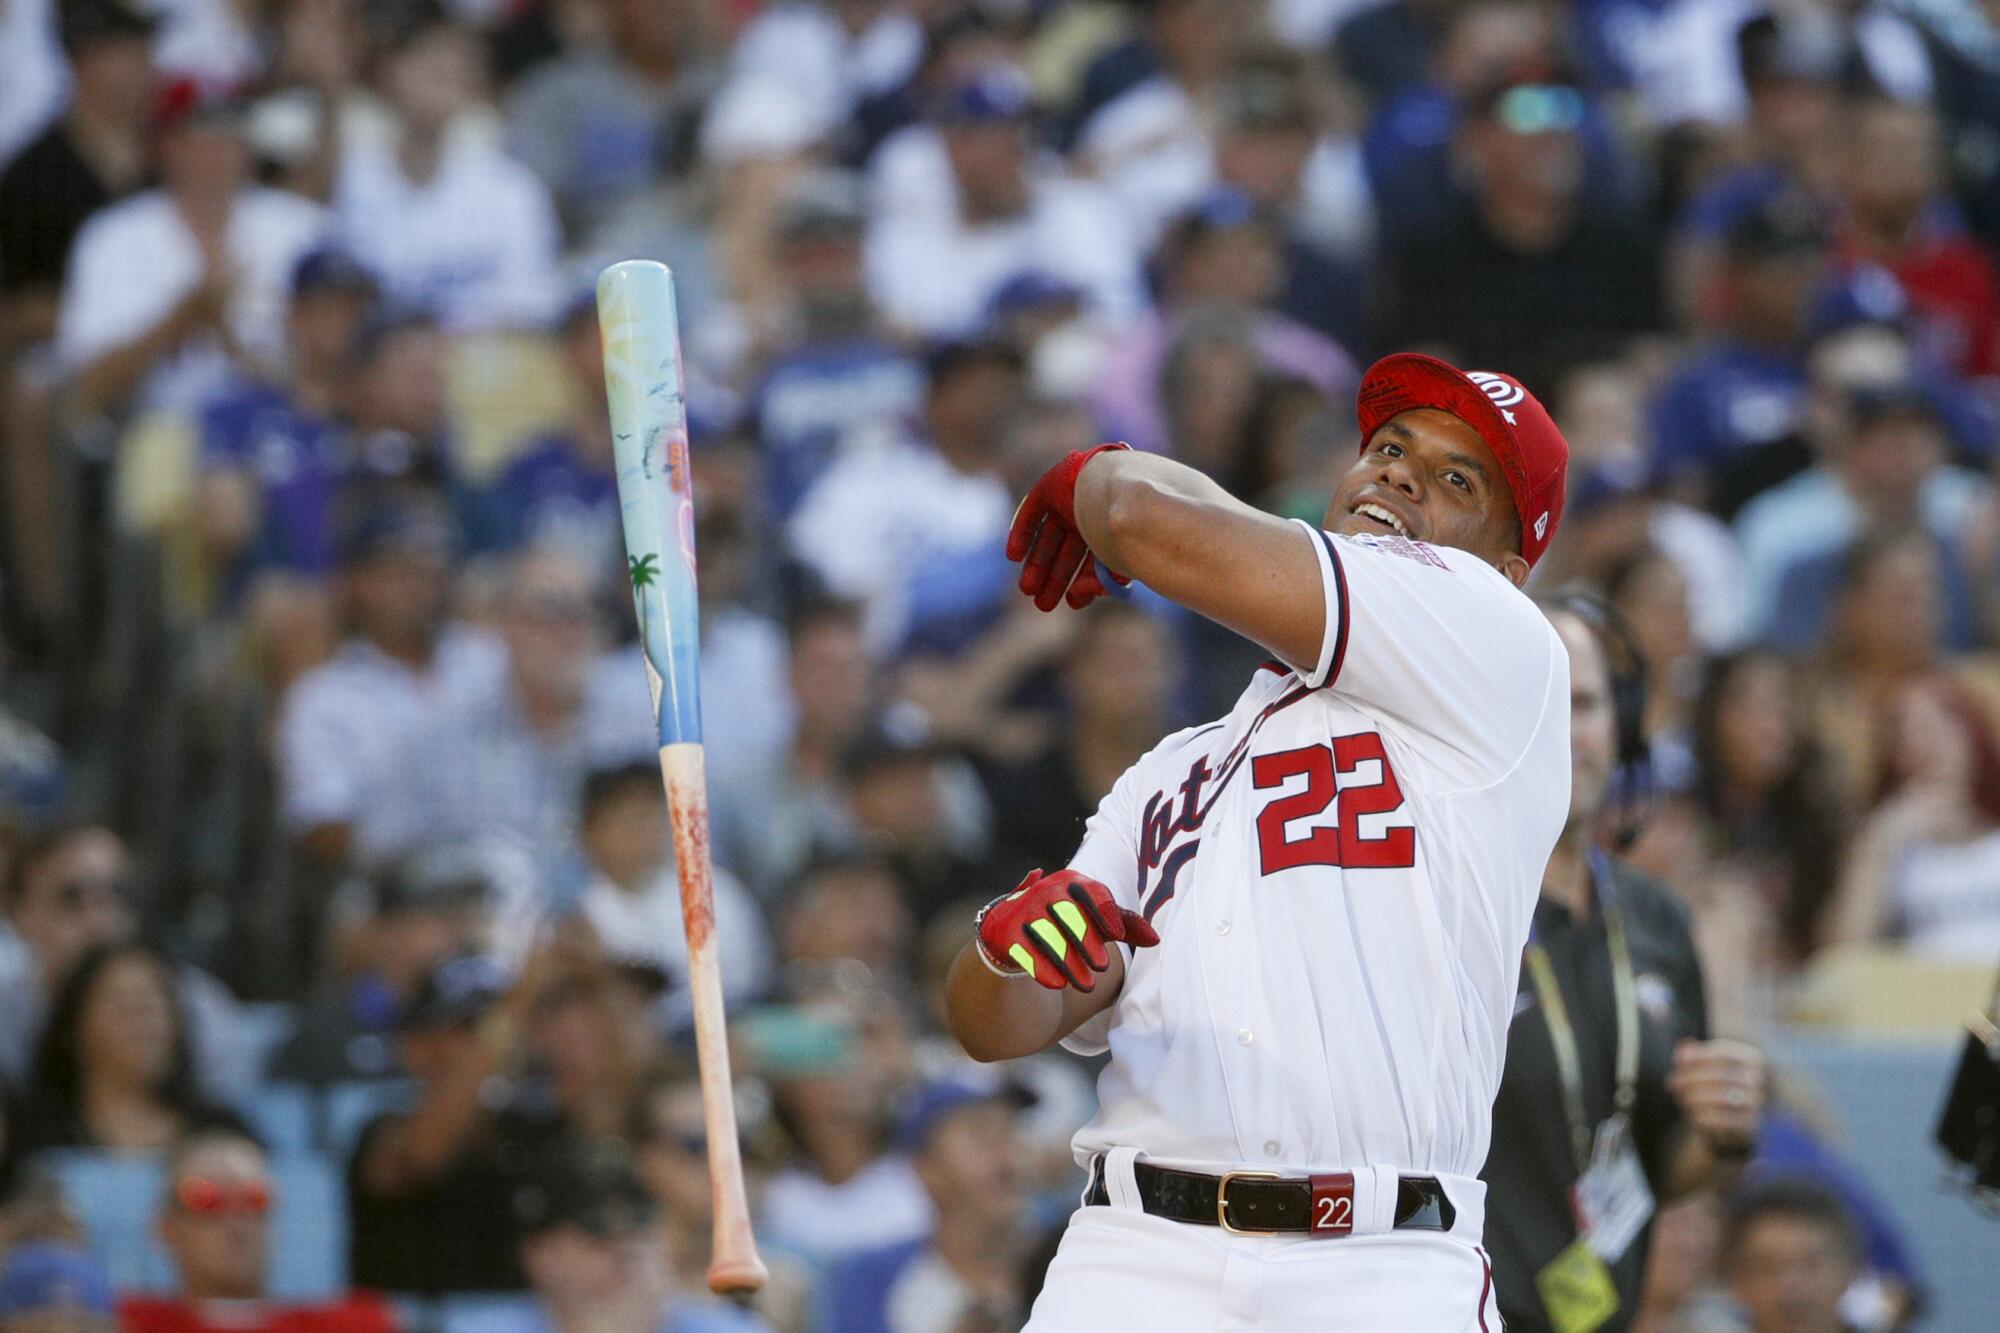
(1055, 562)
(1050, 923)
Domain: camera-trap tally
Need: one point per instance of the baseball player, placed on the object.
(1322, 898)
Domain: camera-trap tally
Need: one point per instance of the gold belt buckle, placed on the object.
(1222, 1201)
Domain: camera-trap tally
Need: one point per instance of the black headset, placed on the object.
(1632, 784)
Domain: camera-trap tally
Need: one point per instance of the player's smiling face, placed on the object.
(1428, 476)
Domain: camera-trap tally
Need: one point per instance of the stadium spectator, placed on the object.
(834, 54)
(1274, 142)
(835, 1064)
(1153, 145)
(1754, 844)
(68, 892)
(1408, 146)
(590, 1250)
(602, 121)
(1650, 594)
(272, 454)
(633, 898)
(449, 222)
(215, 1222)
(961, 1135)
(1388, 47)
(1888, 471)
(391, 930)
(669, 1137)
(1725, 426)
(922, 811)
(1925, 866)
(1888, 628)
(1537, 269)
(1899, 217)
(50, 1287)
(925, 496)
(341, 727)
(1221, 260)
(1789, 68)
(561, 489)
(1118, 679)
(835, 381)
(1789, 1252)
(171, 289)
(393, 396)
(934, 271)
(114, 1070)
(507, 762)
(430, 1192)
(769, 823)
(94, 155)
(850, 907)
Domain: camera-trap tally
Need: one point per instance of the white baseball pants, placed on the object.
(1118, 1268)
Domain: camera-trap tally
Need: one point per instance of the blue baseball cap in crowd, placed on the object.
(45, 1277)
(454, 993)
(927, 1107)
(996, 93)
(328, 269)
(1031, 290)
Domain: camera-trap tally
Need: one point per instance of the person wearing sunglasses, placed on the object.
(215, 1223)
(669, 1139)
(67, 891)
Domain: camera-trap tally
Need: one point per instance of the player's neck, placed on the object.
(1567, 880)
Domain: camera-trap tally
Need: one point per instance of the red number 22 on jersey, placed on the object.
(1326, 771)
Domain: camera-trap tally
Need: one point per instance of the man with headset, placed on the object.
(1612, 1100)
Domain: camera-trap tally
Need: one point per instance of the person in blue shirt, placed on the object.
(840, 375)
(961, 1132)
(272, 453)
(1727, 425)
(563, 487)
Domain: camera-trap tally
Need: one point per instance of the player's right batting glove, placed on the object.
(1055, 561)
(1053, 928)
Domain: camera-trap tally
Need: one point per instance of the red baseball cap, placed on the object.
(1517, 428)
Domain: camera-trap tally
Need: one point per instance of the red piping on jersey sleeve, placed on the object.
(1340, 588)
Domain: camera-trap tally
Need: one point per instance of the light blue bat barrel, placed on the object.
(642, 375)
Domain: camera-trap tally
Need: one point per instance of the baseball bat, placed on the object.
(642, 378)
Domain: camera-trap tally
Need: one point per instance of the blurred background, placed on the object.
(333, 842)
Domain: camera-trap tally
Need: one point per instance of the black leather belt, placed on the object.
(1252, 1203)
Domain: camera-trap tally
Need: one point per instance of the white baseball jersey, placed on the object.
(1342, 873)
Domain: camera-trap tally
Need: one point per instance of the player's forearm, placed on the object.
(1004, 1018)
(1186, 538)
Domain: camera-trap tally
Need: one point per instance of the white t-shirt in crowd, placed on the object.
(930, 271)
(883, 1204)
(477, 244)
(830, 69)
(648, 925)
(1946, 898)
(36, 85)
(913, 505)
(136, 260)
(344, 723)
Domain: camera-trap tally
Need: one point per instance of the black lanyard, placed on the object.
(1562, 1035)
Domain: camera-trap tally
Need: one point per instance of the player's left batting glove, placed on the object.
(1053, 928)
(1055, 561)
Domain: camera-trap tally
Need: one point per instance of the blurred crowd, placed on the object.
(339, 904)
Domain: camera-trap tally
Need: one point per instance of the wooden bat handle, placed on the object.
(733, 1263)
